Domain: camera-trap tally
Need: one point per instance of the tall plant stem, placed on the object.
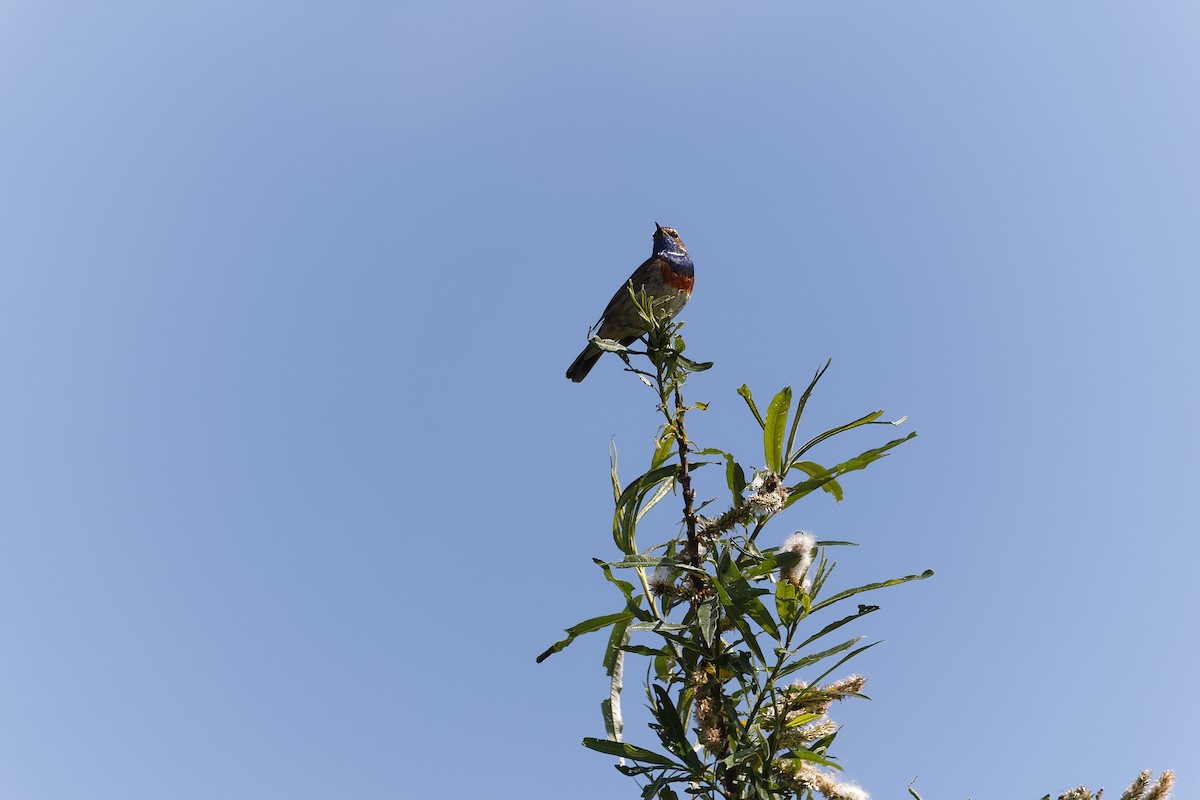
(685, 483)
(693, 557)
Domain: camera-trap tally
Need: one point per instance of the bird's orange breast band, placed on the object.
(673, 279)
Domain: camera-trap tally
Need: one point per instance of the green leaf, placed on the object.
(833, 626)
(693, 366)
(632, 603)
(787, 602)
(809, 755)
(748, 636)
(649, 562)
(771, 563)
(759, 613)
(863, 459)
(735, 479)
(815, 470)
(858, 462)
(809, 486)
(801, 719)
(642, 650)
(608, 345)
(870, 587)
(668, 716)
(841, 661)
(632, 752)
(610, 725)
(707, 614)
(740, 598)
(662, 667)
(587, 626)
(663, 628)
(612, 469)
(662, 451)
(813, 658)
(625, 514)
(616, 641)
(774, 427)
(662, 491)
(745, 393)
(816, 440)
(632, 772)
(643, 484)
(800, 407)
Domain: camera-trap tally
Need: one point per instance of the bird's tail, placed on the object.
(582, 365)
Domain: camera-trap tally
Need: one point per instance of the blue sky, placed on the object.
(293, 488)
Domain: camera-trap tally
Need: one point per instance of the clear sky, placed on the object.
(293, 490)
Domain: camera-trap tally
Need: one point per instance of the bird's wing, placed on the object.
(640, 277)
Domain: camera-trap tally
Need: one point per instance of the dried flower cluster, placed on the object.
(768, 494)
(662, 582)
(1161, 789)
(804, 544)
(803, 701)
(806, 776)
(767, 497)
(710, 723)
(1140, 789)
(800, 698)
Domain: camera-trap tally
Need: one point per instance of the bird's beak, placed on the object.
(657, 228)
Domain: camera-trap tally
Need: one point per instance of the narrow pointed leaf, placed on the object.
(787, 602)
(662, 451)
(693, 366)
(778, 561)
(587, 626)
(668, 716)
(650, 562)
(613, 653)
(659, 627)
(748, 636)
(800, 407)
(625, 586)
(608, 345)
(707, 614)
(612, 469)
(735, 478)
(809, 486)
(632, 752)
(614, 723)
(814, 658)
(862, 460)
(643, 484)
(809, 755)
(870, 587)
(816, 440)
(815, 470)
(843, 660)
(662, 491)
(774, 428)
(833, 626)
(745, 393)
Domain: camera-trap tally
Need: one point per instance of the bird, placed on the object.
(668, 274)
